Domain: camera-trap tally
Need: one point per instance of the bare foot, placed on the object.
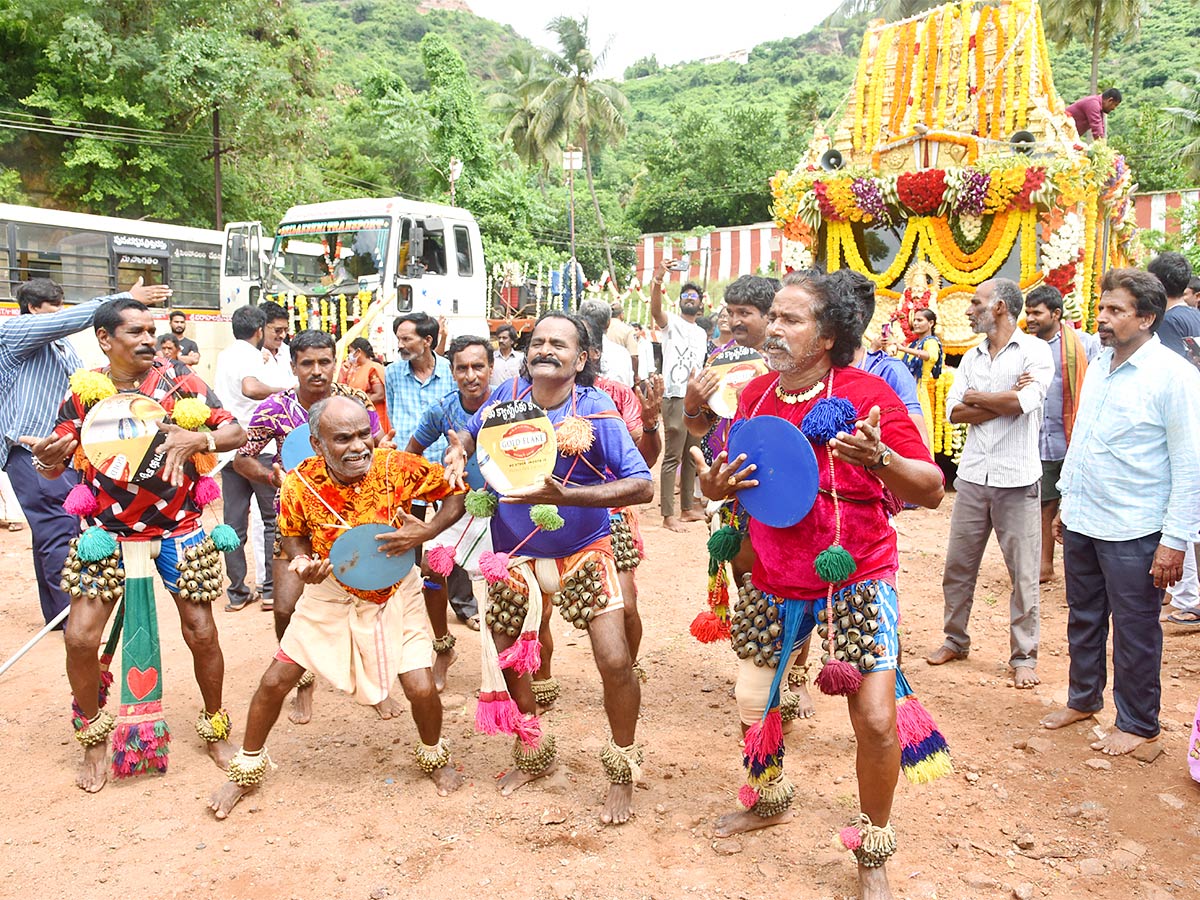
(1046, 577)
(618, 805)
(691, 515)
(225, 798)
(302, 703)
(514, 778)
(1118, 742)
(441, 665)
(944, 654)
(741, 822)
(93, 770)
(873, 883)
(672, 523)
(1061, 718)
(805, 708)
(389, 708)
(447, 780)
(221, 752)
(1025, 678)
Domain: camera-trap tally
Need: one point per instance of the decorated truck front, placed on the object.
(955, 162)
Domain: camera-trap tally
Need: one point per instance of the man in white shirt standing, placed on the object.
(240, 382)
(508, 359)
(684, 346)
(999, 391)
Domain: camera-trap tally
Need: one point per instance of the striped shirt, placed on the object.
(408, 398)
(1133, 466)
(36, 360)
(1003, 452)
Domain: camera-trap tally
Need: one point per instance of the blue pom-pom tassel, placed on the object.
(829, 416)
(224, 538)
(95, 544)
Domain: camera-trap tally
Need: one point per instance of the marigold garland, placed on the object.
(938, 244)
(841, 236)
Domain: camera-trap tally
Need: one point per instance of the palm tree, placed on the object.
(524, 77)
(1187, 115)
(890, 10)
(575, 107)
(1099, 22)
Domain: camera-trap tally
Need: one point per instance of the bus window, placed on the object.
(462, 248)
(77, 260)
(194, 276)
(131, 267)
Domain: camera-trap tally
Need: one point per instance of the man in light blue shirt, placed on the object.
(1130, 505)
(36, 359)
(417, 380)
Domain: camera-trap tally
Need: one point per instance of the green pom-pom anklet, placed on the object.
(224, 538)
(545, 516)
(95, 544)
(481, 504)
(834, 564)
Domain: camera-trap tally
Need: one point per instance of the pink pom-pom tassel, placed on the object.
(529, 731)
(496, 713)
(839, 678)
(494, 566)
(748, 796)
(440, 559)
(525, 656)
(81, 502)
(913, 722)
(850, 837)
(763, 739)
(207, 490)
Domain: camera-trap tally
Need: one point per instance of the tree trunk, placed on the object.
(1096, 48)
(587, 168)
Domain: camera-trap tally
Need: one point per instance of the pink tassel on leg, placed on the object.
(496, 713)
(839, 678)
(525, 656)
(763, 739)
(207, 491)
(748, 796)
(441, 560)
(850, 837)
(494, 566)
(529, 730)
(81, 502)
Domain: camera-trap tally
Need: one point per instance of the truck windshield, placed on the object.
(316, 257)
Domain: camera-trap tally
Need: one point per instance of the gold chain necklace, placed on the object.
(793, 397)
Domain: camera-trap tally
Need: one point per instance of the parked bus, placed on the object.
(351, 266)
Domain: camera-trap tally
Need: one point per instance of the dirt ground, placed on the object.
(347, 814)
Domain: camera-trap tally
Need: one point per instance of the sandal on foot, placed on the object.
(1186, 618)
(233, 606)
(472, 623)
(268, 604)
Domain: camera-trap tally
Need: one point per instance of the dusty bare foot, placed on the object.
(514, 778)
(389, 708)
(221, 752)
(672, 523)
(1025, 678)
(873, 883)
(447, 780)
(1118, 742)
(743, 821)
(692, 515)
(302, 703)
(1061, 718)
(805, 708)
(225, 798)
(93, 770)
(618, 805)
(944, 654)
(441, 665)
(1046, 576)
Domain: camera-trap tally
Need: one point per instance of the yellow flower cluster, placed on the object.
(837, 191)
(1003, 186)
(91, 387)
(940, 428)
(190, 413)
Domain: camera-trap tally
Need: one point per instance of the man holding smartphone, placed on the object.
(684, 345)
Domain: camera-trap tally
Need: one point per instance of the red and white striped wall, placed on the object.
(726, 253)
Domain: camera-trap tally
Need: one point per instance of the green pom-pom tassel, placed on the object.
(481, 504)
(224, 538)
(95, 544)
(545, 516)
(834, 564)
(724, 544)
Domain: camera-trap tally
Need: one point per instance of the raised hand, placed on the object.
(150, 294)
(723, 478)
(549, 491)
(650, 396)
(277, 475)
(51, 451)
(455, 461)
(387, 440)
(863, 448)
(702, 384)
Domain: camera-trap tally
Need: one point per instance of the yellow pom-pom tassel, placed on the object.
(91, 387)
(190, 413)
(575, 436)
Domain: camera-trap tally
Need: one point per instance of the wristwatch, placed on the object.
(885, 459)
(211, 438)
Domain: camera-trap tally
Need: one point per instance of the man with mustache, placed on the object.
(868, 451)
(1130, 490)
(684, 345)
(597, 474)
(159, 506)
(313, 354)
(999, 390)
(359, 639)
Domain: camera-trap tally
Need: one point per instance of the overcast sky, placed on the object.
(674, 32)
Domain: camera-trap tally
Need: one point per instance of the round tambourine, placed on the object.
(359, 563)
(787, 472)
(516, 446)
(296, 448)
(121, 438)
(735, 367)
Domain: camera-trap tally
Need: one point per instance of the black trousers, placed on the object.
(1112, 579)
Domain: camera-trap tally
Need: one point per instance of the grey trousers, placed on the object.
(676, 456)
(236, 493)
(1015, 514)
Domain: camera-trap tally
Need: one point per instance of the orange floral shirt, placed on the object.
(394, 480)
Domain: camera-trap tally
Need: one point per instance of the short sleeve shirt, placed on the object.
(314, 505)
(239, 360)
(612, 453)
(684, 346)
(153, 507)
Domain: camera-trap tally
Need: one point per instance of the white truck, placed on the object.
(400, 255)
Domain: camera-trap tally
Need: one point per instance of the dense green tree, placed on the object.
(453, 104)
(1186, 116)
(1097, 23)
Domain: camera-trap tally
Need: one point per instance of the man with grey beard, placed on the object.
(999, 390)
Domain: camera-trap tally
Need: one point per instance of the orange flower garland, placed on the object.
(841, 238)
(1010, 75)
(903, 75)
(861, 98)
(937, 242)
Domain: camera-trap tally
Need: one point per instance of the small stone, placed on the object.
(552, 816)
(972, 777)
(1148, 752)
(1039, 745)
(979, 880)
(226, 848)
(1091, 867)
(564, 889)
(1019, 745)
(1100, 765)
(1171, 800)
(341, 878)
(1025, 841)
(707, 688)
(1133, 847)
(727, 846)
(1023, 891)
(379, 893)
(198, 846)
(659, 808)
